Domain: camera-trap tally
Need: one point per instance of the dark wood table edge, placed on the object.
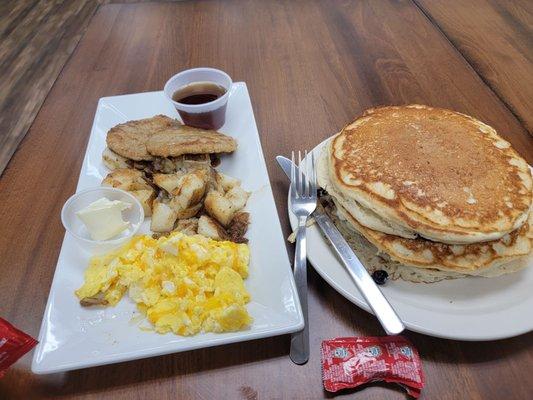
(70, 56)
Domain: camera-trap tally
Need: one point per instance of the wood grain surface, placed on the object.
(310, 67)
(496, 38)
(36, 39)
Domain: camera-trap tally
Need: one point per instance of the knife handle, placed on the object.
(374, 298)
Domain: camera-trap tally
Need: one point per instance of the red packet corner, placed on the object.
(13, 345)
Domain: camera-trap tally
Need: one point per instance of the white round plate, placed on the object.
(473, 308)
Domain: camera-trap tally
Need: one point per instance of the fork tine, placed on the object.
(312, 177)
(301, 180)
(307, 182)
(293, 178)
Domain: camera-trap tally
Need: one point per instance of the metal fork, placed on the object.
(303, 199)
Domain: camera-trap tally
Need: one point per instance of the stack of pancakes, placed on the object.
(437, 193)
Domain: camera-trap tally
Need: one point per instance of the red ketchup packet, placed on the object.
(353, 361)
(13, 345)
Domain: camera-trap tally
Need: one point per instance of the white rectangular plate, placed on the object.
(74, 337)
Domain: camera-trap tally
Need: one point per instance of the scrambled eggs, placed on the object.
(184, 284)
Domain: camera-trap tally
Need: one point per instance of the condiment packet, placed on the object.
(353, 361)
(13, 345)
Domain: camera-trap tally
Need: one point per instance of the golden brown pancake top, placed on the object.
(437, 165)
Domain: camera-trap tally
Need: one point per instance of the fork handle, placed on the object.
(299, 352)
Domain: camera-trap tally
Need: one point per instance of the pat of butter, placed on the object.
(103, 218)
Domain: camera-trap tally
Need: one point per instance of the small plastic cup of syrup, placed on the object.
(200, 96)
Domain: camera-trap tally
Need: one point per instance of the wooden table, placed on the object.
(311, 67)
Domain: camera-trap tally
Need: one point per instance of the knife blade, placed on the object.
(373, 296)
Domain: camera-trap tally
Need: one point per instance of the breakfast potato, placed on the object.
(225, 182)
(168, 182)
(234, 232)
(187, 226)
(238, 196)
(132, 181)
(126, 179)
(219, 207)
(189, 212)
(222, 206)
(113, 161)
(181, 195)
(190, 191)
(208, 227)
(146, 198)
(163, 217)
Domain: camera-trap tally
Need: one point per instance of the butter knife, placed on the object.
(373, 296)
